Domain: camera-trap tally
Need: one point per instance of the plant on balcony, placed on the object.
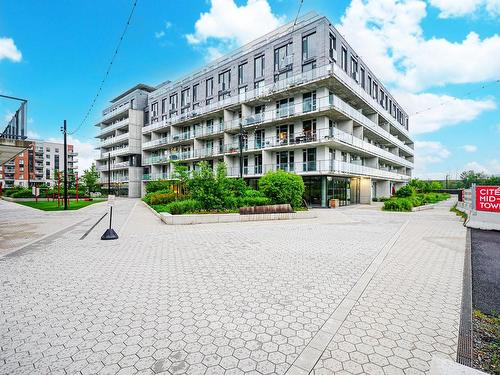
(282, 187)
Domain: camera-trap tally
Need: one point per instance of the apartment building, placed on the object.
(38, 164)
(299, 99)
(120, 127)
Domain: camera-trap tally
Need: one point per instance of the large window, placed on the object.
(284, 134)
(173, 103)
(285, 107)
(225, 81)
(309, 159)
(283, 58)
(209, 87)
(185, 99)
(363, 78)
(343, 59)
(285, 160)
(354, 68)
(258, 164)
(259, 67)
(154, 109)
(242, 73)
(333, 47)
(308, 46)
(164, 105)
(309, 101)
(195, 92)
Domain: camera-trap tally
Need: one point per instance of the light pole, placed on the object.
(63, 129)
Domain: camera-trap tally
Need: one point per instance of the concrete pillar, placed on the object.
(365, 190)
(346, 126)
(358, 132)
(373, 117)
(383, 189)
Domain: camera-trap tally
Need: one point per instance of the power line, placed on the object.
(298, 12)
(122, 36)
(455, 98)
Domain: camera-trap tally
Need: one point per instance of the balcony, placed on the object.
(113, 140)
(320, 167)
(109, 129)
(156, 176)
(155, 143)
(107, 114)
(117, 152)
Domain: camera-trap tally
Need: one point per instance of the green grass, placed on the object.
(52, 205)
(463, 215)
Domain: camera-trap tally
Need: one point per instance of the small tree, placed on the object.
(90, 179)
(282, 187)
(207, 187)
(181, 173)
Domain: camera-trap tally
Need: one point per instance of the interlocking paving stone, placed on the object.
(229, 299)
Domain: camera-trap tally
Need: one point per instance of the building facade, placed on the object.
(119, 161)
(298, 99)
(38, 165)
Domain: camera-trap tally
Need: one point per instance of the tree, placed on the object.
(90, 178)
(471, 177)
(282, 187)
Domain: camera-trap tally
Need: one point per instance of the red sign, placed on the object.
(488, 198)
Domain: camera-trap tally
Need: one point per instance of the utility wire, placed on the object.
(455, 98)
(298, 12)
(122, 36)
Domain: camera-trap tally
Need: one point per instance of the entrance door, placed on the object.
(312, 192)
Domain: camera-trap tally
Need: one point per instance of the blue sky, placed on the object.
(431, 53)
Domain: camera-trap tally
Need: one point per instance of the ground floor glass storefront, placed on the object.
(320, 189)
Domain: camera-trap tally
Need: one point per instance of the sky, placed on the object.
(439, 58)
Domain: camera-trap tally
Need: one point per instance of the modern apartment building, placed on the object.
(38, 165)
(120, 141)
(298, 99)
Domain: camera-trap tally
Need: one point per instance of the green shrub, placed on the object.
(186, 206)
(148, 196)
(163, 198)
(153, 186)
(253, 201)
(236, 186)
(282, 187)
(22, 193)
(383, 199)
(398, 204)
(405, 191)
(208, 188)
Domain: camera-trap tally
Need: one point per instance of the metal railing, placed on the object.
(113, 127)
(116, 139)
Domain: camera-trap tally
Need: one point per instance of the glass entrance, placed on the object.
(312, 193)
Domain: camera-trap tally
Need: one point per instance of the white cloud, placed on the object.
(389, 35)
(168, 24)
(33, 135)
(227, 25)
(469, 148)
(9, 50)
(427, 115)
(429, 153)
(159, 34)
(460, 8)
(490, 167)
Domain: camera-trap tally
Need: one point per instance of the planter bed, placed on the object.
(231, 218)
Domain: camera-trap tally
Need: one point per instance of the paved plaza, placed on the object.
(355, 290)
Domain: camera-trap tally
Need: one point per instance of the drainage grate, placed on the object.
(464, 350)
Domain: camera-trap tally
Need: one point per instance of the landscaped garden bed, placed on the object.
(486, 342)
(407, 198)
(52, 205)
(204, 191)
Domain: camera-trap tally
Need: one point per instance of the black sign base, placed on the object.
(110, 234)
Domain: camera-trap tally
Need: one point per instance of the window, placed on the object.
(185, 100)
(195, 92)
(285, 160)
(154, 109)
(375, 90)
(370, 85)
(225, 81)
(283, 58)
(354, 68)
(242, 75)
(363, 83)
(56, 161)
(259, 67)
(47, 162)
(47, 149)
(173, 103)
(164, 105)
(309, 159)
(309, 101)
(343, 59)
(47, 174)
(285, 107)
(47, 156)
(381, 97)
(209, 87)
(245, 164)
(57, 150)
(309, 130)
(258, 164)
(308, 43)
(284, 134)
(309, 66)
(259, 87)
(260, 136)
(333, 47)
